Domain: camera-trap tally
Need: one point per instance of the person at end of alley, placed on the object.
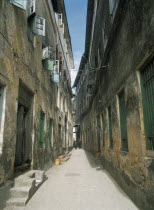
(79, 143)
(75, 145)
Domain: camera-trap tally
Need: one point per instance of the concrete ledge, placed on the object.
(144, 199)
(25, 187)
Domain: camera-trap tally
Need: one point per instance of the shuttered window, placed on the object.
(31, 7)
(110, 127)
(102, 128)
(112, 5)
(42, 119)
(50, 133)
(147, 83)
(39, 26)
(19, 3)
(1, 101)
(123, 124)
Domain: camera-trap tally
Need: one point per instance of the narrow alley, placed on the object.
(77, 86)
(79, 184)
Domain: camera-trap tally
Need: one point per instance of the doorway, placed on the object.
(23, 151)
(98, 134)
(20, 155)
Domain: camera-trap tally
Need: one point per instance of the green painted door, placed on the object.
(110, 127)
(1, 101)
(42, 118)
(50, 132)
(123, 124)
(98, 134)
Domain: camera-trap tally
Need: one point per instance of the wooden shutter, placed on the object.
(19, 3)
(110, 127)
(31, 7)
(50, 134)
(123, 126)
(61, 28)
(60, 19)
(39, 26)
(47, 53)
(1, 101)
(56, 67)
(48, 64)
(42, 118)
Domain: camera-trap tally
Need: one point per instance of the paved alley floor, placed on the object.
(79, 184)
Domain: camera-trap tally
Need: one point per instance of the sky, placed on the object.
(76, 15)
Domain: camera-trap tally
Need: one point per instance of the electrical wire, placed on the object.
(31, 72)
(89, 69)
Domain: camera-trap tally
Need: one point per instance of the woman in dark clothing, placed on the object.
(75, 145)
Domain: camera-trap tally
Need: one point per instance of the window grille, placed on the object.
(147, 83)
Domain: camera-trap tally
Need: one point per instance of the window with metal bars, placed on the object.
(110, 127)
(42, 120)
(147, 85)
(123, 124)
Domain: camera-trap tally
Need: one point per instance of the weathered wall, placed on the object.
(21, 62)
(130, 45)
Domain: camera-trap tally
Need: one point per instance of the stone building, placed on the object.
(35, 85)
(115, 93)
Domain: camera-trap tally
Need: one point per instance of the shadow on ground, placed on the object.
(99, 167)
(93, 162)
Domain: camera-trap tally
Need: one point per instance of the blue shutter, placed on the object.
(19, 3)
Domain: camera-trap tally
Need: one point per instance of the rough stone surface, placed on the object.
(129, 47)
(21, 65)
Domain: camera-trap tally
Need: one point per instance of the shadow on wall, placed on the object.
(5, 194)
(93, 162)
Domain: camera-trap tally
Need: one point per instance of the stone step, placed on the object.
(14, 208)
(17, 202)
(65, 159)
(61, 156)
(24, 182)
(24, 188)
(20, 192)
